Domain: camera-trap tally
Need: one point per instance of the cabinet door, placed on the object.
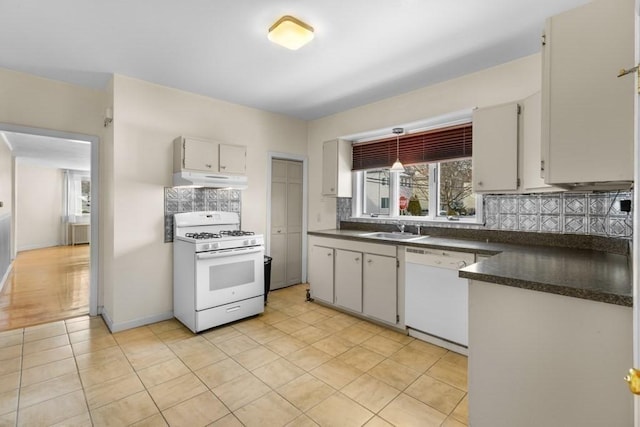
(348, 279)
(321, 273)
(233, 159)
(200, 155)
(336, 168)
(379, 293)
(588, 112)
(294, 223)
(531, 134)
(495, 148)
(330, 168)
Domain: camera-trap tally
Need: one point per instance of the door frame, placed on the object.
(635, 248)
(273, 155)
(95, 201)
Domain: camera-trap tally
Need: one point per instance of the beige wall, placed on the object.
(39, 206)
(136, 158)
(147, 118)
(504, 83)
(5, 179)
(31, 101)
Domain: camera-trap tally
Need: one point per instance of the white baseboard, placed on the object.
(5, 276)
(438, 341)
(123, 326)
(37, 246)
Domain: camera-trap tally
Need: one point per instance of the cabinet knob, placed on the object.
(333, 189)
(479, 183)
(329, 254)
(462, 264)
(222, 167)
(207, 166)
(357, 259)
(369, 261)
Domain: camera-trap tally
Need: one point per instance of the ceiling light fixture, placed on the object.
(290, 33)
(397, 166)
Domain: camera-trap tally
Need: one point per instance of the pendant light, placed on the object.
(397, 166)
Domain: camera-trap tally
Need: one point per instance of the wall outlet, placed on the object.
(625, 205)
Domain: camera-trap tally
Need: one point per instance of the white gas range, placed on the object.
(218, 270)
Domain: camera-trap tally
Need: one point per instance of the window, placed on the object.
(78, 195)
(376, 192)
(436, 183)
(455, 194)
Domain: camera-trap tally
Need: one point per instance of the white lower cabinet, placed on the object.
(359, 277)
(348, 279)
(379, 292)
(321, 272)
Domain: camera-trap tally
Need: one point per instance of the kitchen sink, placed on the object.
(392, 236)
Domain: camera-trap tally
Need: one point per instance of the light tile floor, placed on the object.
(298, 364)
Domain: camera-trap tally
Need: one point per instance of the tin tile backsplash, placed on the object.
(571, 213)
(197, 199)
(566, 213)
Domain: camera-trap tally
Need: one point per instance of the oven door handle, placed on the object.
(230, 252)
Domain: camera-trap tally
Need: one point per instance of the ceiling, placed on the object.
(49, 152)
(364, 50)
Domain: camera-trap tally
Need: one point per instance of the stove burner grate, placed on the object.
(236, 233)
(199, 236)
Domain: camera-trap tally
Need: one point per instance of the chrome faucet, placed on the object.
(401, 227)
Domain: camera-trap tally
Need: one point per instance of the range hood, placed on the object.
(211, 180)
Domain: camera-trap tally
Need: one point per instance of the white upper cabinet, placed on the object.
(195, 154)
(336, 168)
(587, 110)
(495, 148)
(201, 155)
(233, 159)
(530, 138)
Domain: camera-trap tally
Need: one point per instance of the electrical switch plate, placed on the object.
(625, 205)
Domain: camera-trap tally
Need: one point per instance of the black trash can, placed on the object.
(267, 276)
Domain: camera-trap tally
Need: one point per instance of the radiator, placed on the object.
(5, 247)
(80, 233)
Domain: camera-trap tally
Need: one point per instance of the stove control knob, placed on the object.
(245, 243)
(253, 241)
(213, 245)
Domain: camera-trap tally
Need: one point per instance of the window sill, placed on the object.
(409, 220)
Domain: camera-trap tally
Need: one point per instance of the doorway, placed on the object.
(287, 224)
(35, 153)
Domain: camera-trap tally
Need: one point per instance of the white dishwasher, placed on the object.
(436, 299)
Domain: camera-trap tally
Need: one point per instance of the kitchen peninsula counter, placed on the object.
(575, 272)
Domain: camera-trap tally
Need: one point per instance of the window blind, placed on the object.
(421, 147)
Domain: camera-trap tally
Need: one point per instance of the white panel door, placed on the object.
(286, 223)
(294, 223)
(278, 239)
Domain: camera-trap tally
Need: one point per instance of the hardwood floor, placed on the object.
(46, 285)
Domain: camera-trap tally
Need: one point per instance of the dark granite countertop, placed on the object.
(580, 273)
